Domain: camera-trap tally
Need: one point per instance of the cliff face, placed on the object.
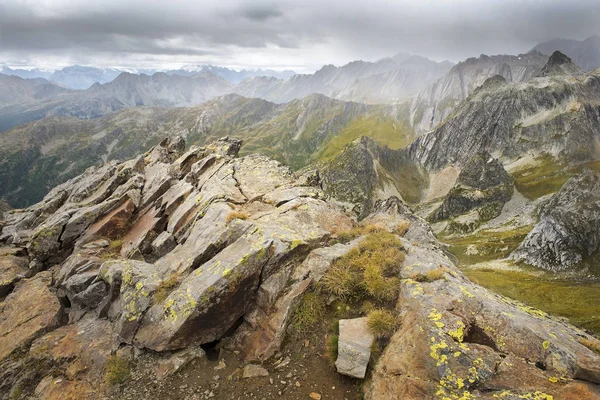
(175, 249)
(568, 227)
(438, 101)
(554, 114)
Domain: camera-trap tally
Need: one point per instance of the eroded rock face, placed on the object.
(568, 229)
(483, 186)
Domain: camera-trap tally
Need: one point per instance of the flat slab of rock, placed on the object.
(27, 313)
(354, 347)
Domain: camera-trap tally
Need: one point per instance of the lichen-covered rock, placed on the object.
(568, 230)
(483, 185)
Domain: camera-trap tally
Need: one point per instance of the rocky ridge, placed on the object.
(176, 248)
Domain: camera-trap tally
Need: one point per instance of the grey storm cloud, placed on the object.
(282, 32)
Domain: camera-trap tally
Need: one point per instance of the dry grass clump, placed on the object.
(432, 275)
(368, 271)
(382, 323)
(347, 235)
(116, 370)
(402, 228)
(236, 215)
(590, 344)
(165, 287)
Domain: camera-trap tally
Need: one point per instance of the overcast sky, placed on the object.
(301, 35)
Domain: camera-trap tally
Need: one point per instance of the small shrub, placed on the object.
(165, 287)
(332, 348)
(590, 344)
(116, 370)
(236, 215)
(310, 311)
(382, 323)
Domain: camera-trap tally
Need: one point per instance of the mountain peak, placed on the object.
(560, 64)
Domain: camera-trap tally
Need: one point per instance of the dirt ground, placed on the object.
(309, 371)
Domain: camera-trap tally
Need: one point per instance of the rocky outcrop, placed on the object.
(365, 172)
(568, 230)
(459, 340)
(483, 186)
(181, 248)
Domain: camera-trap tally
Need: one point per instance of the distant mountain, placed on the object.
(584, 53)
(436, 102)
(353, 81)
(26, 73)
(19, 91)
(127, 90)
(36, 156)
(78, 77)
(231, 75)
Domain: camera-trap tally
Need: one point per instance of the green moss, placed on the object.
(577, 301)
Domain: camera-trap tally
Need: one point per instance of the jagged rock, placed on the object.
(139, 280)
(354, 347)
(560, 64)
(28, 312)
(112, 225)
(254, 371)
(483, 185)
(209, 301)
(568, 229)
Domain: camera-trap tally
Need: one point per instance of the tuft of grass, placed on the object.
(382, 323)
(309, 312)
(165, 287)
(431, 275)
(116, 370)
(236, 215)
(593, 345)
(370, 270)
(347, 235)
(332, 348)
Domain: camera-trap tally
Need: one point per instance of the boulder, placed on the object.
(13, 268)
(178, 360)
(354, 347)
